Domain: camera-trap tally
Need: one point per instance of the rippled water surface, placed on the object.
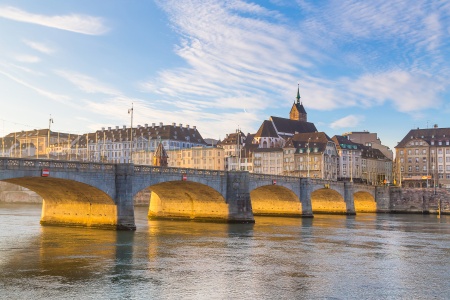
(328, 257)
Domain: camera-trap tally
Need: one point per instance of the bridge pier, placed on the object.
(348, 198)
(124, 197)
(238, 198)
(305, 197)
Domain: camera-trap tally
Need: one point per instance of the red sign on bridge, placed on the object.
(45, 173)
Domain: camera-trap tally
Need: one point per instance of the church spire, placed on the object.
(298, 93)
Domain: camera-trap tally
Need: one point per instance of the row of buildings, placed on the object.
(281, 146)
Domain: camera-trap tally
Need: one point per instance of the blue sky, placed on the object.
(381, 66)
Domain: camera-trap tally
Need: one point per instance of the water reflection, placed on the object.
(365, 256)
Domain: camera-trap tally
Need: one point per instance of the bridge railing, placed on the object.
(7, 163)
(145, 169)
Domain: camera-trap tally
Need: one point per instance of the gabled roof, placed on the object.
(428, 135)
(232, 139)
(289, 126)
(371, 153)
(317, 140)
(342, 142)
(266, 130)
(161, 152)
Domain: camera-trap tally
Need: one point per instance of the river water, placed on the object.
(367, 256)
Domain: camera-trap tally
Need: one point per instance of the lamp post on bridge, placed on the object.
(307, 151)
(130, 111)
(50, 121)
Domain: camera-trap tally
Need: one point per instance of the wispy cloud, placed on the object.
(27, 58)
(39, 47)
(50, 95)
(74, 22)
(350, 121)
(87, 84)
(230, 54)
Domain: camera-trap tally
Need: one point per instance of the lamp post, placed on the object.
(307, 151)
(50, 121)
(130, 111)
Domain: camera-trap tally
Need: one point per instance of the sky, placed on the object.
(380, 66)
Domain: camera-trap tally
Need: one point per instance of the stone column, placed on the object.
(305, 197)
(348, 198)
(124, 197)
(238, 198)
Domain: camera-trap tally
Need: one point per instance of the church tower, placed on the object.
(298, 112)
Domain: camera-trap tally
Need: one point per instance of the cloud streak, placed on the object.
(74, 22)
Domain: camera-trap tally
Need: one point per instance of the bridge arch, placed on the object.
(328, 201)
(187, 200)
(364, 202)
(275, 200)
(70, 203)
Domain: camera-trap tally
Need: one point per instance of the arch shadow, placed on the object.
(71, 203)
(275, 200)
(187, 200)
(364, 202)
(328, 201)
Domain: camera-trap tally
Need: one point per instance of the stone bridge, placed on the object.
(101, 195)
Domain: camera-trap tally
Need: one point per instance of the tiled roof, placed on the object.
(317, 140)
(428, 135)
(266, 130)
(231, 139)
(371, 153)
(292, 126)
(343, 142)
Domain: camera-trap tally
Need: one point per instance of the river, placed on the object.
(368, 256)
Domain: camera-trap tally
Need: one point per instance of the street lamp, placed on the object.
(307, 151)
(130, 111)
(50, 121)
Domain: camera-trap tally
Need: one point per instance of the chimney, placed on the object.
(146, 125)
(187, 126)
(117, 127)
(173, 124)
(124, 126)
(181, 125)
(103, 128)
(435, 126)
(109, 128)
(195, 127)
(160, 124)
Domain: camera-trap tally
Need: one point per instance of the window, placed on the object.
(440, 151)
(409, 152)
(416, 152)
(424, 159)
(401, 152)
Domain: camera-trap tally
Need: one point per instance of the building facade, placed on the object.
(423, 158)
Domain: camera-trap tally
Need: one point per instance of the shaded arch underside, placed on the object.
(275, 200)
(68, 202)
(328, 201)
(187, 200)
(364, 202)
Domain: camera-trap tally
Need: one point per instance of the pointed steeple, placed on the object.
(298, 93)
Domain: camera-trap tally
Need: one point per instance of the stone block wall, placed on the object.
(411, 200)
(12, 193)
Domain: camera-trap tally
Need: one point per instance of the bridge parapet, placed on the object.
(145, 169)
(58, 165)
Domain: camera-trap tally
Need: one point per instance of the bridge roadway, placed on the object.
(101, 195)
